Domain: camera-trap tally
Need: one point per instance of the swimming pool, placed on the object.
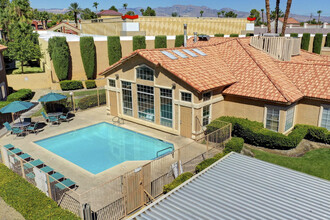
(101, 146)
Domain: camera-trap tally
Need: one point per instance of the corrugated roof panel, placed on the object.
(240, 187)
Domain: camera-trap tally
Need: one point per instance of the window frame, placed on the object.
(112, 80)
(209, 98)
(153, 96)
(279, 116)
(160, 109)
(321, 114)
(208, 116)
(144, 66)
(293, 108)
(186, 92)
(122, 99)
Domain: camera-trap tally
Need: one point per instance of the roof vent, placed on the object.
(203, 37)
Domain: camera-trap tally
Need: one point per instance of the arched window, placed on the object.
(145, 73)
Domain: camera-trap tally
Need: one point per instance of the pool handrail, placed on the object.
(163, 150)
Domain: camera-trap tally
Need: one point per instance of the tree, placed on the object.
(74, 8)
(218, 13)
(23, 45)
(87, 14)
(44, 17)
(277, 11)
(286, 16)
(125, 6)
(262, 15)
(113, 8)
(319, 12)
(273, 14)
(130, 13)
(201, 12)
(223, 13)
(174, 14)
(149, 12)
(254, 13)
(95, 5)
(268, 15)
(230, 14)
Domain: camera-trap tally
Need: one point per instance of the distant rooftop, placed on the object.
(290, 20)
(110, 13)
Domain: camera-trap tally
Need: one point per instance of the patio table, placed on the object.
(55, 114)
(21, 124)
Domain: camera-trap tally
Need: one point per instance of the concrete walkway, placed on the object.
(8, 213)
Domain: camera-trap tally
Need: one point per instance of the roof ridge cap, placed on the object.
(302, 63)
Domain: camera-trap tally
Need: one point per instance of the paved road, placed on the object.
(8, 213)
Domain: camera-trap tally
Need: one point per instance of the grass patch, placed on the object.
(27, 69)
(85, 93)
(27, 199)
(38, 113)
(315, 162)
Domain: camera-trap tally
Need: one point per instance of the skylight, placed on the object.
(169, 55)
(190, 53)
(199, 52)
(179, 53)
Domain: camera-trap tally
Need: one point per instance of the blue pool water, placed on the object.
(99, 147)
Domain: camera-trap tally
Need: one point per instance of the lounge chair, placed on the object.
(37, 163)
(65, 117)
(67, 183)
(33, 128)
(45, 116)
(25, 156)
(9, 146)
(27, 120)
(17, 151)
(56, 176)
(8, 127)
(54, 120)
(18, 131)
(47, 170)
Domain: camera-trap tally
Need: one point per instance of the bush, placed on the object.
(219, 35)
(204, 164)
(235, 144)
(139, 42)
(91, 101)
(233, 35)
(317, 43)
(179, 40)
(249, 35)
(60, 54)
(294, 35)
(71, 85)
(90, 84)
(305, 41)
(20, 95)
(177, 181)
(88, 55)
(160, 41)
(327, 40)
(114, 49)
(318, 134)
(4, 103)
(27, 199)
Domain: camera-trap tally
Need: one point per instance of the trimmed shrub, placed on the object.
(294, 35)
(177, 181)
(4, 103)
(317, 43)
(318, 134)
(91, 101)
(71, 85)
(114, 49)
(60, 54)
(327, 40)
(20, 95)
(305, 41)
(208, 162)
(219, 35)
(235, 144)
(160, 41)
(90, 84)
(249, 35)
(88, 55)
(139, 42)
(179, 40)
(233, 35)
(27, 199)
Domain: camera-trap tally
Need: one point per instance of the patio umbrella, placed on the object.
(52, 97)
(16, 106)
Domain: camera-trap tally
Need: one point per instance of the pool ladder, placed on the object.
(157, 154)
(118, 120)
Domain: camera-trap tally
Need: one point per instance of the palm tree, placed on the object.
(277, 10)
(125, 6)
(219, 13)
(201, 12)
(223, 13)
(268, 16)
(95, 4)
(286, 16)
(262, 15)
(319, 12)
(141, 10)
(74, 8)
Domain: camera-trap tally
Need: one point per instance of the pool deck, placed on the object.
(83, 178)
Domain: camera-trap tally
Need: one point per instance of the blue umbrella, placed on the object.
(16, 106)
(52, 97)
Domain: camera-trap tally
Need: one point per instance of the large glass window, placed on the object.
(145, 73)
(146, 108)
(206, 115)
(185, 96)
(166, 114)
(112, 82)
(206, 96)
(325, 121)
(289, 119)
(272, 118)
(127, 98)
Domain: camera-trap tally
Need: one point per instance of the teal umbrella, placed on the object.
(16, 106)
(52, 97)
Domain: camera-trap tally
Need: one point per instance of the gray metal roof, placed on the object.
(241, 187)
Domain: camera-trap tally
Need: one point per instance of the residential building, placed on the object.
(180, 90)
(108, 14)
(3, 77)
(290, 23)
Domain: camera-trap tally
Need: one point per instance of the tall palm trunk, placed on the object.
(268, 16)
(75, 19)
(277, 11)
(262, 18)
(286, 16)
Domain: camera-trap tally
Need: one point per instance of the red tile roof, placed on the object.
(290, 21)
(110, 12)
(2, 47)
(249, 72)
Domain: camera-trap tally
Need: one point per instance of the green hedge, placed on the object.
(249, 35)
(233, 35)
(179, 40)
(20, 95)
(327, 40)
(28, 200)
(305, 41)
(88, 56)
(160, 41)
(90, 84)
(4, 103)
(219, 35)
(317, 44)
(60, 54)
(91, 101)
(114, 49)
(71, 85)
(177, 181)
(294, 35)
(208, 162)
(235, 144)
(139, 42)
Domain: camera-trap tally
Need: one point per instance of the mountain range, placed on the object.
(194, 11)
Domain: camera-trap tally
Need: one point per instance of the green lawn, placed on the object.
(315, 162)
(27, 69)
(38, 113)
(85, 93)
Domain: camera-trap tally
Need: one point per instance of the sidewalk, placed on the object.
(8, 213)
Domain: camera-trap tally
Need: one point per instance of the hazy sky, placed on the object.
(304, 7)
